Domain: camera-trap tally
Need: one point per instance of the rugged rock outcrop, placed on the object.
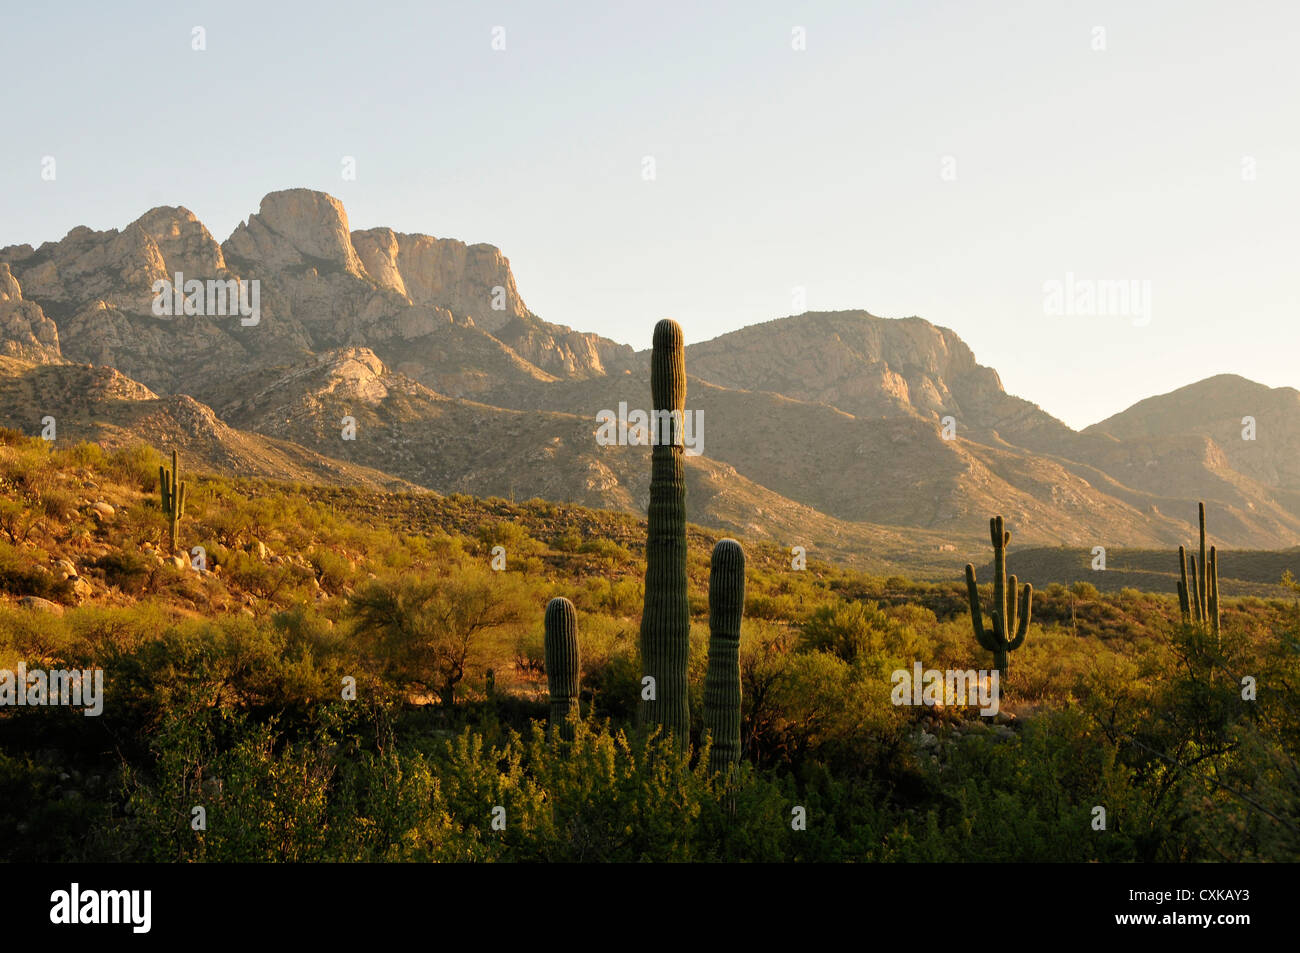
(470, 281)
(293, 228)
(184, 242)
(25, 331)
(116, 267)
(564, 352)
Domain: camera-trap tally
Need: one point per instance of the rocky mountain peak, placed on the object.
(185, 243)
(296, 227)
(1252, 424)
(853, 360)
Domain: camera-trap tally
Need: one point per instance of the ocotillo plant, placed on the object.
(173, 496)
(1198, 599)
(561, 649)
(722, 680)
(665, 617)
(998, 639)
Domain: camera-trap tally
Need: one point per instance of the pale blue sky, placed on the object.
(775, 168)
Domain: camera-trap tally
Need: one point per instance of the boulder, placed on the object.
(37, 604)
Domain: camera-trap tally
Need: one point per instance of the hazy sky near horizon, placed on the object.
(941, 159)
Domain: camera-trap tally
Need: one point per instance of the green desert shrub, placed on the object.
(135, 466)
(23, 573)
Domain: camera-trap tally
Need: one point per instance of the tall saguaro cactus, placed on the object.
(998, 639)
(722, 680)
(665, 617)
(561, 649)
(173, 496)
(1198, 597)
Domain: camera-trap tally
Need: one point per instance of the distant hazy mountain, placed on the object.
(1217, 409)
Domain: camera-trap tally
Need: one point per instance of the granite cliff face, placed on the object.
(25, 331)
(824, 428)
(296, 228)
(473, 282)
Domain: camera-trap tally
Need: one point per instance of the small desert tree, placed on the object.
(430, 631)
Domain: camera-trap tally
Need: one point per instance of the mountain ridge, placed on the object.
(844, 421)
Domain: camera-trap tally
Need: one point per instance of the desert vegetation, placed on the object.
(227, 688)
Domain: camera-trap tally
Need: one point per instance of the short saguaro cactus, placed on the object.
(561, 650)
(722, 679)
(173, 491)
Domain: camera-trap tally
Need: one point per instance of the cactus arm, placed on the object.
(973, 594)
(1026, 609)
(1184, 605)
(1010, 624)
(1201, 590)
(1198, 614)
(1214, 591)
(982, 635)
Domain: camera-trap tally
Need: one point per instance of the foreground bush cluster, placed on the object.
(225, 690)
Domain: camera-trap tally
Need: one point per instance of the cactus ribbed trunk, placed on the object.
(1198, 610)
(1214, 592)
(1184, 603)
(665, 618)
(1201, 588)
(722, 680)
(561, 649)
